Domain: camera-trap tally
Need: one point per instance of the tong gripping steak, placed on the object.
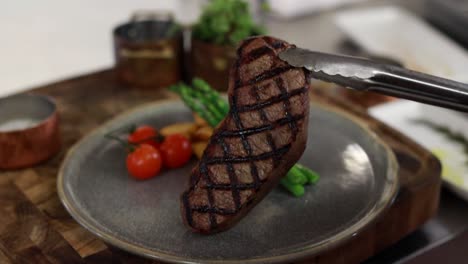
(262, 137)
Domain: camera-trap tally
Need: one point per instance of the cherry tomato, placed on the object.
(144, 134)
(176, 151)
(144, 162)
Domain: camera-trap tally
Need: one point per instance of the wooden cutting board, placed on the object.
(35, 227)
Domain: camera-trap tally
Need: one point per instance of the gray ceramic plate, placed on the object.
(358, 181)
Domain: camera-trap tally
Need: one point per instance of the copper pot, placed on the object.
(212, 62)
(29, 130)
(145, 56)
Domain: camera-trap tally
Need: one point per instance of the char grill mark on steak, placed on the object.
(257, 53)
(287, 106)
(261, 51)
(228, 186)
(207, 209)
(264, 118)
(204, 171)
(231, 173)
(245, 142)
(201, 178)
(282, 97)
(275, 43)
(267, 75)
(240, 159)
(255, 130)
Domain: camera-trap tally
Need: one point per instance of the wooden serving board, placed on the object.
(35, 227)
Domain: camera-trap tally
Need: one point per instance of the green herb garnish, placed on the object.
(226, 22)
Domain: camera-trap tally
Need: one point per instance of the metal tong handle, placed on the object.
(362, 74)
(403, 83)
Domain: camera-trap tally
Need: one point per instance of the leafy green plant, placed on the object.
(226, 22)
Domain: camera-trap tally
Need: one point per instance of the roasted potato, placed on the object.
(199, 147)
(202, 134)
(186, 129)
(199, 121)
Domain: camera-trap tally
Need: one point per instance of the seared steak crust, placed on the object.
(262, 137)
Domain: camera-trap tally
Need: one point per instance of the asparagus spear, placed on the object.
(312, 176)
(296, 176)
(189, 98)
(212, 95)
(296, 189)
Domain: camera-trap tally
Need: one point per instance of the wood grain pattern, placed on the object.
(35, 227)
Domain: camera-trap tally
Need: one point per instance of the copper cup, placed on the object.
(148, 52)
(212, 62)
(29, 131)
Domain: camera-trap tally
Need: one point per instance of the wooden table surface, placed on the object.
(35, 227)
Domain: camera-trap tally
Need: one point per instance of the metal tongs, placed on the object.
(366, 75)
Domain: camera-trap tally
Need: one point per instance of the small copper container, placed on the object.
(29, 131)
(212, 62)
(147, 54)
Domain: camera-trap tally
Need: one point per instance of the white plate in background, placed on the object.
(295, 8)
(395, 32)
(399, 115)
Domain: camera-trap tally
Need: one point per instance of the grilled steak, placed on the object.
(262, 137)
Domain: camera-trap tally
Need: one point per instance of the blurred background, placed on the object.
(51, 40)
